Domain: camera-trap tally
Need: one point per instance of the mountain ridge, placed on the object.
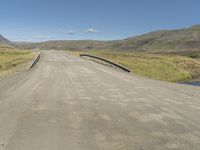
(185, 39)
(4, 41)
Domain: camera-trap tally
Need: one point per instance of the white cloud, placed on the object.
(91, 30)
(70, 32)
(43, 37)
(60, 30)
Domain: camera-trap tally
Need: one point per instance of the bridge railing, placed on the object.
(108, 61)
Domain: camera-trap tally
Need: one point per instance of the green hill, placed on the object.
(183, 39)
(187, 39)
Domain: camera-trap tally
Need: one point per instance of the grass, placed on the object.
(195, 54)
(165, 67)
(12, 59)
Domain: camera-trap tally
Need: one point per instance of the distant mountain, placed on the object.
(65, 45)
(187, 39)
(4, 41)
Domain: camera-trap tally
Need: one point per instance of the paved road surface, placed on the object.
(68, 103)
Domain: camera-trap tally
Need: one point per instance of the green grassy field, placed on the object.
(12, 60)
(165, 67)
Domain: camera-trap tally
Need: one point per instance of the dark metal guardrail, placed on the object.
(108, 61)
(35, 61)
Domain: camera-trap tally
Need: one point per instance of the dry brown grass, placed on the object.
(172, 68)
(12, 60)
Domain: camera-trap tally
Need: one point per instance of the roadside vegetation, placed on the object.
(12, 60)
(167, 67)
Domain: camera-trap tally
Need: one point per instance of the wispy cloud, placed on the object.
(60, 30)
(71, 32)
(42, 37)
(91, 30)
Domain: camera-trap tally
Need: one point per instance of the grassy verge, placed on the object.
(166, 67)
(12, 60)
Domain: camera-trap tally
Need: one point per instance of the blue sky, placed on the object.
(41, 20)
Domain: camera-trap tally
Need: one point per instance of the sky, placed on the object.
(43, 20)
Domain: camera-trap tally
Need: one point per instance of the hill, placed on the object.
(66, 45)
(4, 41)
(187, 39)
(183, 39)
